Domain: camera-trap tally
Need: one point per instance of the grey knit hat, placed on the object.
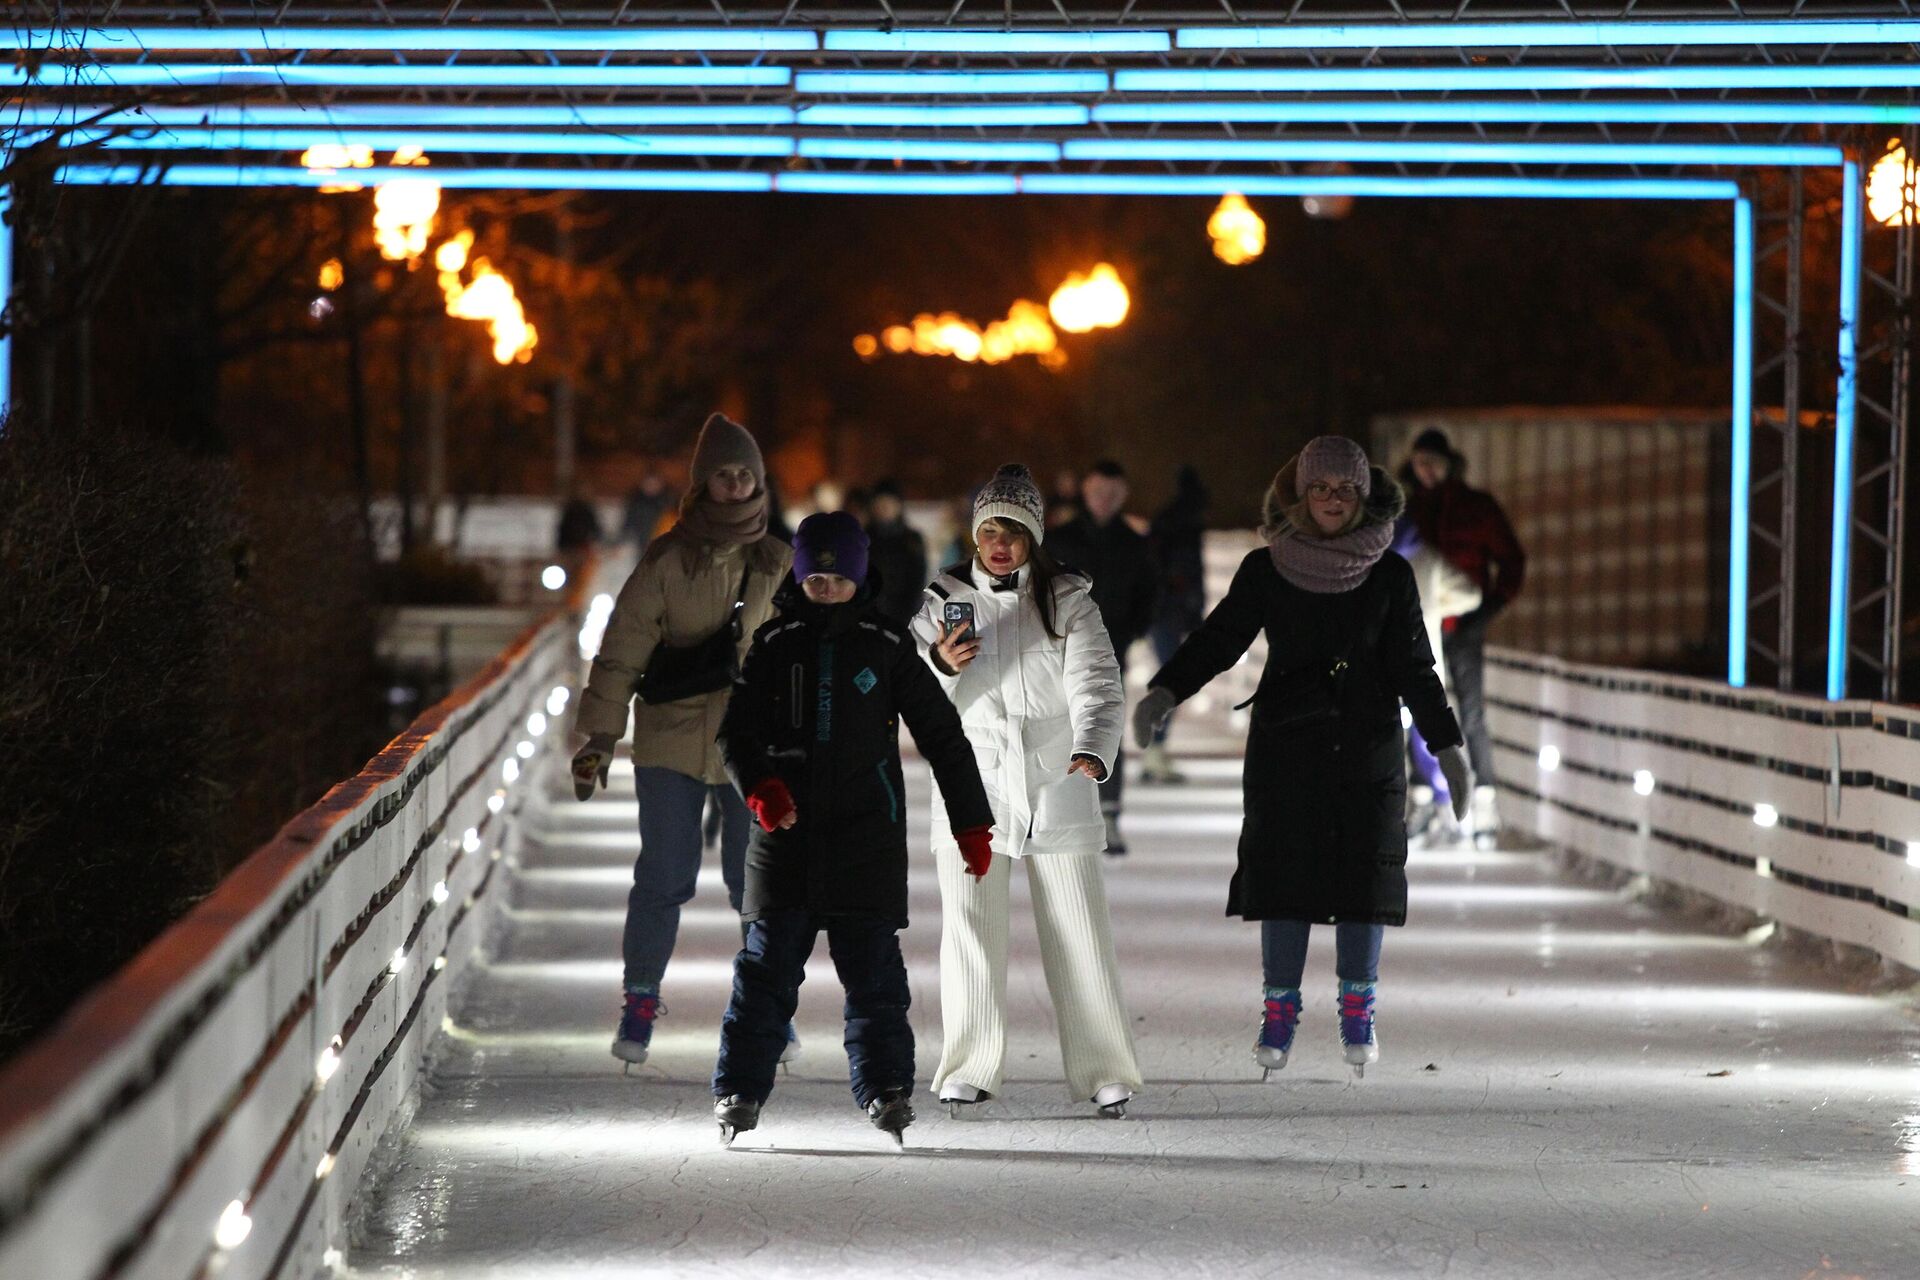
(1012, 495)
(1333, 460)
(725, 443)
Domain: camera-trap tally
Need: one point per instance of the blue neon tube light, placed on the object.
(1740, 516)
(1509, 79)
(964, 41)
(1840, 589)
(246, 175)
(402, 39)
(242, 115)
(272, 75)
(1258, 184)
(956, 184)
(977, 82)
(6, 297)
(907, 115)
(1411, 35)
(1360, 150)
(983, 151)
(1461, 111)
(478, 141)
(1548, 34)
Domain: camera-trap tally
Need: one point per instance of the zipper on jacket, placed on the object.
(893, 799)
(797, 693)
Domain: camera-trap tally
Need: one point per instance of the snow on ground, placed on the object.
(1572, 1084)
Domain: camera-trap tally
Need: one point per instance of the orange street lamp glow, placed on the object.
(1891, 194)
(403, 214)
(1096, 300)
(1239, 234)
(332, 274)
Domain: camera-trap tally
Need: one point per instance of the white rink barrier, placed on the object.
(209, 1109)
(1802, 810)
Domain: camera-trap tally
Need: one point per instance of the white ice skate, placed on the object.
(959, 1096)
(1112, 1100)
(1360, 1041)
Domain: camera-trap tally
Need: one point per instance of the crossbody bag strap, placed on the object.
(740, 598)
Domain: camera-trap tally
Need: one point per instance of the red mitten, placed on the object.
(976, 849)
(772, 804)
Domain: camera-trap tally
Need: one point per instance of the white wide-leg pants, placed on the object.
(1076, 951)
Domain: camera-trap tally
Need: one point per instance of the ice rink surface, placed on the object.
(1572, 1084)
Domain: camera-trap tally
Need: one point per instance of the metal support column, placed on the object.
(1773, 489)
(1876, 607)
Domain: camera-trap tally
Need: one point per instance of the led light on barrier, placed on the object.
(324, 1168)
(231, 1231)
(553, 577)
(1549, 758)
(510, 770)
(439, 963)
(440, 893)
(524, 749)
(329, 1062)
(1913, 853)
(536, 724)
(496, 802)
(470, 841)
(1643, 783)
(398, 962)
(1765, 815)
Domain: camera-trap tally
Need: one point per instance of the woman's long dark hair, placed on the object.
(1045, 570)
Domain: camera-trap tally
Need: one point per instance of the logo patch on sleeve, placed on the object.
(865, 681)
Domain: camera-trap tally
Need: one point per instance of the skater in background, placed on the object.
(1471, 531)
(683, 618)
(1179, 548)
(1445, 592)
(898, 552)
(1019, 649)
(646, 506)
(811, 740)
(1100, 543)
(1323, 841)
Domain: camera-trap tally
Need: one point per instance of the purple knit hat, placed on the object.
(1333, 460)
(830, 542)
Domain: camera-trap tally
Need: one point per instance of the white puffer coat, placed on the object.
(1029, 704)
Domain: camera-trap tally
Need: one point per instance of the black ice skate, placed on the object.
(891, 1113)
(736, 1115)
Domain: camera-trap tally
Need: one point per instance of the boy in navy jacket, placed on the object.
(811, 738)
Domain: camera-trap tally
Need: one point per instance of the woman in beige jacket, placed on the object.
(683, 591)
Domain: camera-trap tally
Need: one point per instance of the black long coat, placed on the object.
(1324, 837)
(819, 705)
(1120, 564)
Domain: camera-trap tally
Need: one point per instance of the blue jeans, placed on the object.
(766, 989)
(1283, 951)
(668, 867)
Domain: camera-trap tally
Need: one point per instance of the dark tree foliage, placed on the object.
(187, 665)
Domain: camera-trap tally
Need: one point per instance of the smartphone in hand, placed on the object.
(958, 615)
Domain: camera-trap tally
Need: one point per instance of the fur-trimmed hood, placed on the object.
(1384, 503)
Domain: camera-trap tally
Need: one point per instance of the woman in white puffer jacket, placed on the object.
(1039, 693)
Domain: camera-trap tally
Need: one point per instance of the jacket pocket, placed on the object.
(1066, 804)
(893, 795)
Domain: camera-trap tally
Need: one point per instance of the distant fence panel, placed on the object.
(1803, 810)
(211, 1108)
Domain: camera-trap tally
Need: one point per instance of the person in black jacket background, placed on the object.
(898, 551)
(1323, 839)
(1100, 543)
(811, 738)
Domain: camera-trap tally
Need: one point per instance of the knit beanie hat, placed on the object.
(725, 443)
(830, 542)
(1433, 440)
(1333, 460)
(1012, 495)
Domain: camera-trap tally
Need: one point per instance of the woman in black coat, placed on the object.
(1324, 840)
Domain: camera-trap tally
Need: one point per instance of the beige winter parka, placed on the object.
(681, 593)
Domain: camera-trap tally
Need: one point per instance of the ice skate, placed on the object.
(1483, 818)
(1357, 1035)
(1156, 766)
(791, 1052)
(1116, 843)
(1112, 1100)
(737, 1115)
(635, 1032)
(1275, 1041)
(1420, 813)
(891, 1113)
(959, 1097)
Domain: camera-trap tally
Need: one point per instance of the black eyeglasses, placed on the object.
(1321, 491)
